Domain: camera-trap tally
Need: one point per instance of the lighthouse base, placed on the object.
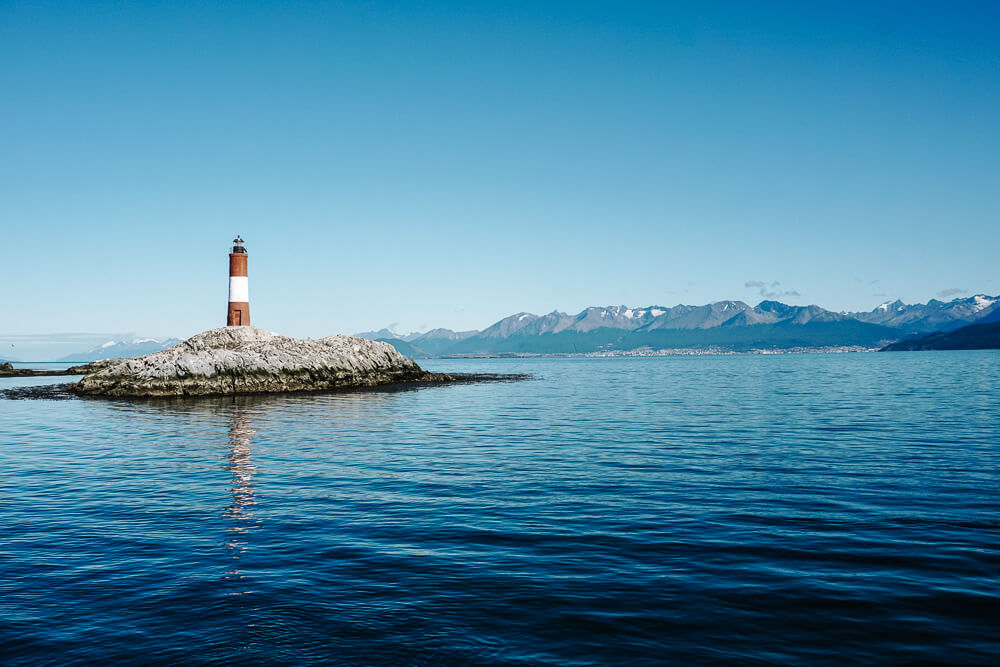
(239, 314)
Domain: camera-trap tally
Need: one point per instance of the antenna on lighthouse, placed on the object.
(239, 290)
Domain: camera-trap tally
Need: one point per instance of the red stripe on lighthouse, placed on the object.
(237, 264)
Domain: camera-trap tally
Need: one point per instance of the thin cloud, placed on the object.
(951, 291)
(770, 290)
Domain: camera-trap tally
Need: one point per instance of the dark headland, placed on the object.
(973, 337)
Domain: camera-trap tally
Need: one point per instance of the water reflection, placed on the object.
(239, 513)
(358, 409)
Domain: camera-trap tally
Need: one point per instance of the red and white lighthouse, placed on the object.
(239, 290)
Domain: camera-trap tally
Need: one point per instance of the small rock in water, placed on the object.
(242, 360)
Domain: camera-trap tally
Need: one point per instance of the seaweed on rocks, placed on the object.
(44, 392)
(64, 391)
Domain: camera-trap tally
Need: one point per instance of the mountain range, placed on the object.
(728, 325)
(931, 316)
(121, 348)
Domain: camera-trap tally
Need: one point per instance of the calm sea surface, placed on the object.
(801, 508)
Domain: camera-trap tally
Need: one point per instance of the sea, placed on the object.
(752, 509)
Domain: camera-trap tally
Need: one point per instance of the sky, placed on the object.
(420, 165)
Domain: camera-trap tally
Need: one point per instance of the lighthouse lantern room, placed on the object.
(239, 293)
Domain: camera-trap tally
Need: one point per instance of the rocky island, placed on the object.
(246, 360)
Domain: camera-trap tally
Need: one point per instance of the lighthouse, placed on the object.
(239, 291)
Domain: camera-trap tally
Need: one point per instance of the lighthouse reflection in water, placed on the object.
(239, 513)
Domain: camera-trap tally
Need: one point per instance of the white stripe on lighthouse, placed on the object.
(239, 289)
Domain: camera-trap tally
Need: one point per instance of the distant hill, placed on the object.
(992, 317)
(404, 348)
(973, 337)
(437, 341)
(419, 345)
(121, 348)
(381, 334)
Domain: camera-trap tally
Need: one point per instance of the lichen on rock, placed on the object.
(244, 360)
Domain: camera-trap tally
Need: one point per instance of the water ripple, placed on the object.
(820, 508)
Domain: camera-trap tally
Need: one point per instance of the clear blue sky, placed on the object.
(447, 164)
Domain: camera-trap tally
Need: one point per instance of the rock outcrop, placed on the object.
(244, 360)
(7, 370)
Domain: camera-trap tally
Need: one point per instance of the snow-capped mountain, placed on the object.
(931, 316)
(652, 318)
(112, 349)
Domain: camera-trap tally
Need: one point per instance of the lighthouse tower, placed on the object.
(239, 291)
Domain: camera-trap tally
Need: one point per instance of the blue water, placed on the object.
(801, 508)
